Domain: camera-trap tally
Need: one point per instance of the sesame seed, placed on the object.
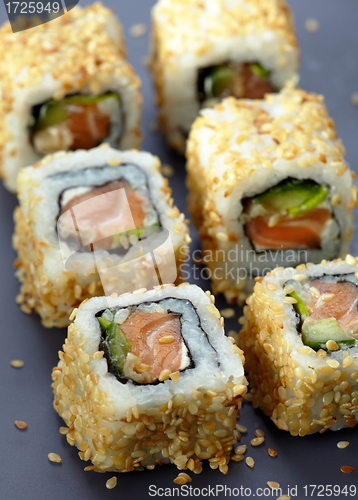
(350, 260)
(259, 433)
(347, 469)
(332, 345)
(327, 296)
(312, 25)
(222, 236)
(175, 376)
(168, 339)
(333, 363)
(237, 458)
(17, 363)
(54, 457)
(20, 424)
(284, 497)
(250, 461)
(273, 485)
(164, 375)
(288, 289)
(335, 199)
(182, 478)
(321, 353)
(227, 313)
(167, 171)
(257, 441)
(114, 162)
(272, 452)
(212, 309)
(142, 367)
(111, 483)
(290, 300)
(354, 99)
(73, 314)
(342, 444)
(137, 30)
(271, 287)
(240, 450)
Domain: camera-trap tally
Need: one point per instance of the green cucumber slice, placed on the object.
(294, 195)
(117, 343)
(299, 307)
(104, 323)
(315, 334)
(220, 79)
(259, 70)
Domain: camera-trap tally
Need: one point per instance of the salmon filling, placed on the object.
(97, 216)
(303, 232)
(248, 81)
(140, 344)
(328, 311)
(77, 122)
(156, 340)
(291, 215)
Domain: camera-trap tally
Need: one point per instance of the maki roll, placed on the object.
(300, 338)
(203, 51)
(149, 378)
(94, 222)
(65, 85)
(269, 186)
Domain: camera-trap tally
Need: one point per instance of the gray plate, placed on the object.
(329, 66)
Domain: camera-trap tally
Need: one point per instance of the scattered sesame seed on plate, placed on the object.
(342, 444)
(347, 469)
(250, 461)
(240, 450)
(111, 483)
(284, 497)
(273, 485)
(354, 99)
(20, 424)
(54, 457)
(257, 441)
(17, 363)
(182, 478)
(241, 428)
(272, 452)
(229, 312)
(167, 171)
(312, 25)
(138, 30)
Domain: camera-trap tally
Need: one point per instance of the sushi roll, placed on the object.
(149, 378)
(203, 51)
(94, 222)
(269, 186)
(65, 85)
(300, 338)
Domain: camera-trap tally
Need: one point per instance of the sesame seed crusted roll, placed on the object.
(94, 222)
(203, 51)
(65, 85)
(122, 421)
(300, 338)
(269, 186)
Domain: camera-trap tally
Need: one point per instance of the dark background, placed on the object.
(329, 66)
